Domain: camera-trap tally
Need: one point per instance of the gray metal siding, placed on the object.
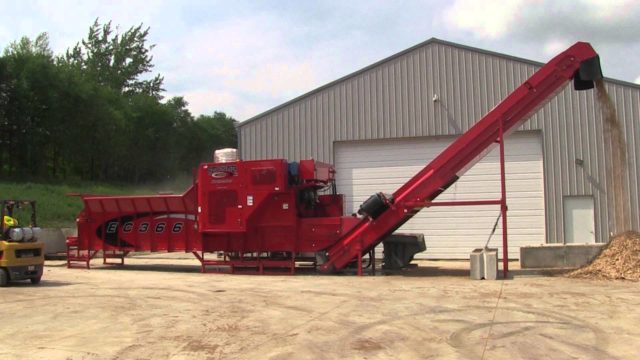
(393, 99)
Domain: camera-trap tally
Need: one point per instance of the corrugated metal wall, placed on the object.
(393, 99)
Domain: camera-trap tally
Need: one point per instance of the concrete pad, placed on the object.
(554, 256)
(484, 264)
(69, 231)
(476, 259)
(490, 263)
(579, 255)
(54, 240)
(161, 309)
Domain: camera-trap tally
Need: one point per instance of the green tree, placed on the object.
(185, 138)
(94, 114)
(5, 91)
(208, 133)
(117, 60)
(29, 99)
(112, 66)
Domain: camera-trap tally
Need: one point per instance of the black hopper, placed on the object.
(589, 72)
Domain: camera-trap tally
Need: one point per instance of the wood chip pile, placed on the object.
(620, 259)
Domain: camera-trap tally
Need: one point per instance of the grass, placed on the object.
(56, 209)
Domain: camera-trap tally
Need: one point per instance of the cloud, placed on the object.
(250, 58)
(277, 79)
(610, 9)
(485, 19)
(523, 27)
(68, 22)
(637, 80)
(553, 47)
(545, 20)
(245, 57)
(244, 60)
(242, 66)
(204, 101)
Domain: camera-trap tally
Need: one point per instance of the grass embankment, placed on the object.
(56, 209)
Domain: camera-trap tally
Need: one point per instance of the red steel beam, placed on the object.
(463, 153)
(453, 203)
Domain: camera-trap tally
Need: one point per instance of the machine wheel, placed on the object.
(36, 280)
(4, 278)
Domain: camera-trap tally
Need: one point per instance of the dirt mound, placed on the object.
(620, 259)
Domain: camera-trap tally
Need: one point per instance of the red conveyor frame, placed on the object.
(464, 152)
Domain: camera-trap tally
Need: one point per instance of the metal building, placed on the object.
(381, 124)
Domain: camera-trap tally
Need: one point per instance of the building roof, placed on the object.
(430, 41)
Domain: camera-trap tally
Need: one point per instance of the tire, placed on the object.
(36, 280)
(4, 278)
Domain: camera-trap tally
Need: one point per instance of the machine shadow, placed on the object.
(43, 284)
(167, 268)
(427, 271)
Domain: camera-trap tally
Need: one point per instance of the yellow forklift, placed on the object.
(21, 254)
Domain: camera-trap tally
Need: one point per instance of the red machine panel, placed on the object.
(230, 193)
(139, 223)
(315, 171)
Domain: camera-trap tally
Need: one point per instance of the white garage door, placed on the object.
(366, 167)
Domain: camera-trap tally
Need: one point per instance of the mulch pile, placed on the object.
(620, 259)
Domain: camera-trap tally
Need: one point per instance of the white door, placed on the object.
(366, 167)
(579, 224)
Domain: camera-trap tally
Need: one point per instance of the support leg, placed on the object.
(372, 257)
(359, 249)
(201, 259)
(503, 207)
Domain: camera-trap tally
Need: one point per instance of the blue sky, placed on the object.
(244, 57)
